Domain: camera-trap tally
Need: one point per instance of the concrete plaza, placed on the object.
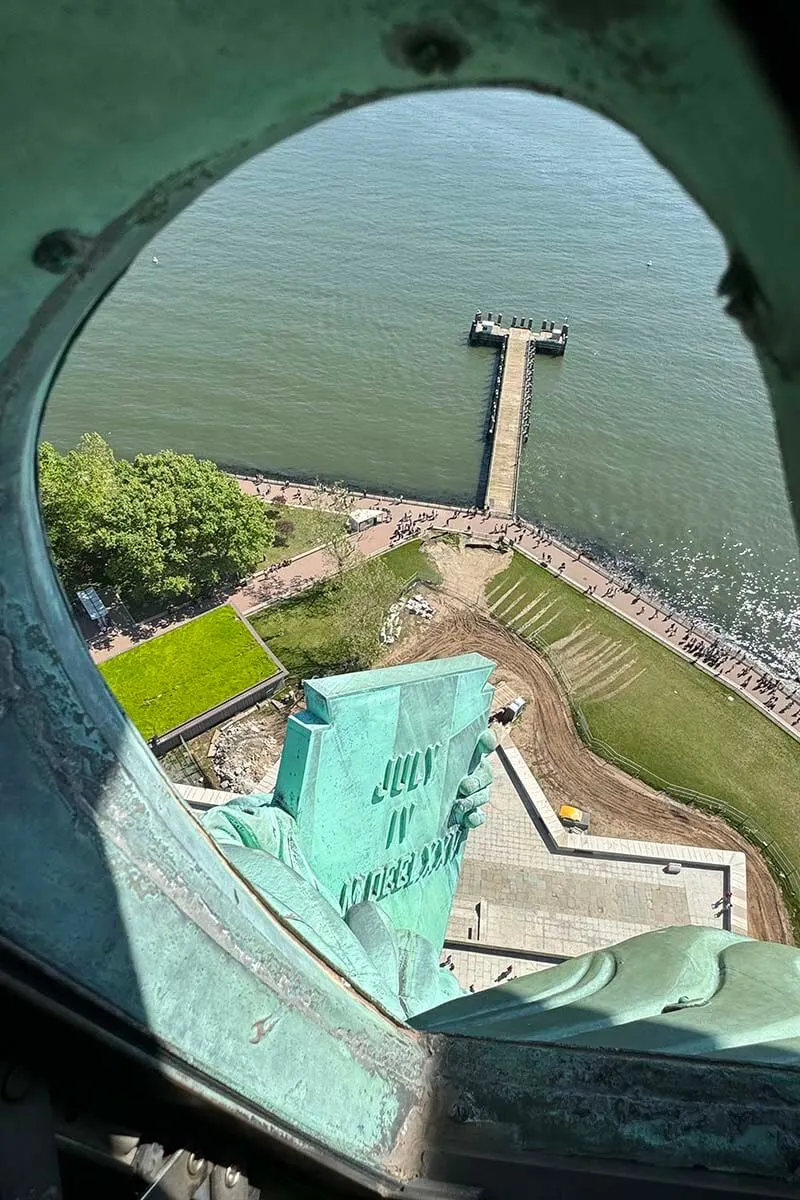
(531, 893)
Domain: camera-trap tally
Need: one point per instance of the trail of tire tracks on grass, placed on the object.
(569, 772)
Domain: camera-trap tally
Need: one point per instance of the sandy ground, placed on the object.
(567, 770)
(467, 570)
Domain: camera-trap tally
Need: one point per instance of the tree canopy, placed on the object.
(163, 528)
(335, 537)
(360, 599)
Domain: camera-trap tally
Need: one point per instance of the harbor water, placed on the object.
(308, 317)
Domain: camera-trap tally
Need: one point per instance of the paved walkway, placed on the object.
(531, 893)
(533, 889)
(410, 519)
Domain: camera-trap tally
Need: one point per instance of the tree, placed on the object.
(77, 494)
(333, 536)
(360, 598)
(163, 528)
(360, 590)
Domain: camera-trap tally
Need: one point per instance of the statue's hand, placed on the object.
(473, 791)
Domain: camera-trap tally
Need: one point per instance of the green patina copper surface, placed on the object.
(380, 780)
(686, 990)
(371, 772)
(115, 117)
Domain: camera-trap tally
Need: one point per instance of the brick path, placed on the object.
(410, 518)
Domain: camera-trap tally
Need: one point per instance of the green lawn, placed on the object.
(411, 560)
(180, 674)
(299, 630)
(658, 710)
(305, 535)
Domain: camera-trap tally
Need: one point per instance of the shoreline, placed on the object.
(582, 572)
(612, 571)
(408, 519)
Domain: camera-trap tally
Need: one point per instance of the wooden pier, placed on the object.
(509, 418)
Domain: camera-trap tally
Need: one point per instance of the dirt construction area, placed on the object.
(566, 769)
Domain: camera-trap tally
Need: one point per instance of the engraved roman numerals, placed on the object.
(400, 823)
(403, 774)
(406, 772)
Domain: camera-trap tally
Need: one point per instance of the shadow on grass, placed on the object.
(301, 631)
(304, 631)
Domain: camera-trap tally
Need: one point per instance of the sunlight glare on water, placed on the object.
(308, 317)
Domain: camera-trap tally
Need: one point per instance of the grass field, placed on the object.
(410, 560)
(180, 674)
(300, 630)
(306, 532)
(652, 707)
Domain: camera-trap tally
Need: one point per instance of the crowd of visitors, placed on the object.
(711, 653)
(410, 525)
(703, 648)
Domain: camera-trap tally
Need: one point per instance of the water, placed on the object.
(308, 317)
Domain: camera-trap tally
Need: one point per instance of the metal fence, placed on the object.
(181, 765)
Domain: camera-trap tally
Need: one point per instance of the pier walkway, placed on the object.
(511, 402)
(507, 440)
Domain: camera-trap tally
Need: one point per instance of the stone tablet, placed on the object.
(371, 773)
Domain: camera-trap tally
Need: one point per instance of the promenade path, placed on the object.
(409, 518)
(501, 485)
(781, 704)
